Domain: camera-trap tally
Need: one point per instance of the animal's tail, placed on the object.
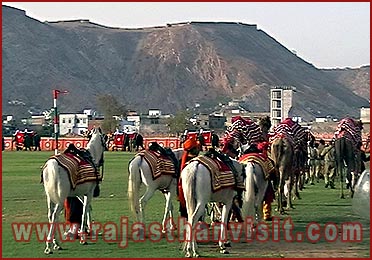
(134, 183)
(189, 178)
(249, 194)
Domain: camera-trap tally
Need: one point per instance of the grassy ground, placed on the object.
(23, 201)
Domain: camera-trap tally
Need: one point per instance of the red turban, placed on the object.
(190, 143)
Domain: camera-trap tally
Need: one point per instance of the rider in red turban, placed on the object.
(191, 150)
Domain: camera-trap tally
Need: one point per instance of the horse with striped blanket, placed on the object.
(59, 185)
(157, 171)
(201, 186)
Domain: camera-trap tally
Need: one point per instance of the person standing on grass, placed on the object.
(320, 160)
(329, 155)
(312, 158)
(126, 143)
(139, 142)
(37, 142)
(27, 141)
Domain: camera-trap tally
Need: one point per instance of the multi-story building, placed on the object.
(73, 124)
(365, 115)
(281, 99)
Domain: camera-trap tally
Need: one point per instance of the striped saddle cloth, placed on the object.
(159, 164)
(221, 174)
(348, 128)
(266, 164)
(79, 171)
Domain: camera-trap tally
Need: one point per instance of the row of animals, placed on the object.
(214, 176)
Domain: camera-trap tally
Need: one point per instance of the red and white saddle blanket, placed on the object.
(349, 129)
(266, 164)
(221, 174)
(243, 129)
(283, 130)
(79, 171)
(159, 164)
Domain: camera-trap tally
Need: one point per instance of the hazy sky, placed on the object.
(328, 35)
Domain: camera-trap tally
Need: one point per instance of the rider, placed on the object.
(270, 193)
(191, 150)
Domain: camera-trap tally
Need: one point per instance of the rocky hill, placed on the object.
(168, 68)
(356, 79)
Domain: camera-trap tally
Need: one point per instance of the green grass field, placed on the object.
(23, 201)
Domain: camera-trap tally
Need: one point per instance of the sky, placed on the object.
(327, 35)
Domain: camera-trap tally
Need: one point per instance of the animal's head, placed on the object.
(265, 123)
(97, 145)
(359, 124)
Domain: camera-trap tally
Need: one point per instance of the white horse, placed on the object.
(57, 187)
(140, 173)
(255, 185)
(197, 189)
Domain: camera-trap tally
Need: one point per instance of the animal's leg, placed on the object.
(222, 240)
(341, 172)
(192, 218)
(297, 184)
(289, 198)
(281, 194)
(189, 232)
(57, 211)
(168, 212)
(50, 217)
(199, 212)
(83, 220)
(89, 221)
(53, 217)
(142, 202)
(259, 203)
(354, 179)
(172, 195)
(339, 148)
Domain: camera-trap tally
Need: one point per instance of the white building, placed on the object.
(154, 112)
(136, 119)
(7, 119)
(365, 115)
(73, 124)
(90, 112)
(281, 99)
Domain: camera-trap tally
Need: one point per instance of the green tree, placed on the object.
(179, 122)
(110, 107)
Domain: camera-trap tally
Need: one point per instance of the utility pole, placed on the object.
(56, 117)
